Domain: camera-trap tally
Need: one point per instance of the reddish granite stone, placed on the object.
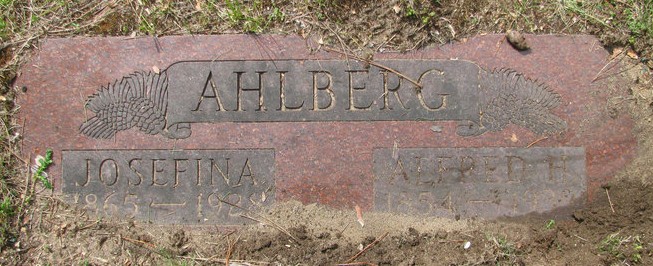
(328, 162)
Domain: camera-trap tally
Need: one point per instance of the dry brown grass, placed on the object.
(360, 27)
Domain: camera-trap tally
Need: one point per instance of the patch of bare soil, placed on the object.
(316, 235)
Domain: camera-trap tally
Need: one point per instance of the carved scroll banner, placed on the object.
(197, 129)
(318, 90)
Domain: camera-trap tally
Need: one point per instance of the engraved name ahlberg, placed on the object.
(168, 103)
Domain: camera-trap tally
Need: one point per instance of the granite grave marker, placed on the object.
(181, 129)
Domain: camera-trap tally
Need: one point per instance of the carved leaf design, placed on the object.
(509, 97)
(139, 99)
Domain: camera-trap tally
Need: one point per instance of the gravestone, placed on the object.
(194, 129)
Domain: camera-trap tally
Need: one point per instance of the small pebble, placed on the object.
(467, 245)
(517, 40)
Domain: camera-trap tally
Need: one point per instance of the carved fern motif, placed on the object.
(138, 100)
(509, 97)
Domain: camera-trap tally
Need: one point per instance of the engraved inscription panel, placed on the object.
(167, 186)
(187, 92)
(470, 182)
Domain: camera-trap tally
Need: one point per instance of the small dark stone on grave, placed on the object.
(412, 239)
(413, 231)
(517, 40)
(579, 216)
(102, 241)
(323, 235)
(299, 232)
(329, 246)
(11, 76)
(265, 244)
(178, 239)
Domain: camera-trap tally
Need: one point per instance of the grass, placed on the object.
(178, 262)
(629, 22)
(244, 17)
(252, 18)
(586, 11)
(3, 28)
(415, 10)
(23, 24)
(43, 164)
(504, 251)
(550, 224)
(639, 19)
(7, 211)
(624, 249)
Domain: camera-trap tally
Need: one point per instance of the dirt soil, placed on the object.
(316, 235)
(615, 229)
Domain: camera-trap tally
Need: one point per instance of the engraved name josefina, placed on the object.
(170, 186)
(321, 90)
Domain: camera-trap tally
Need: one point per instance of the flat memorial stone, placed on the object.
(190, 129)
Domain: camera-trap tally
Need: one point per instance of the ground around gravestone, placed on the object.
(614, 228)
